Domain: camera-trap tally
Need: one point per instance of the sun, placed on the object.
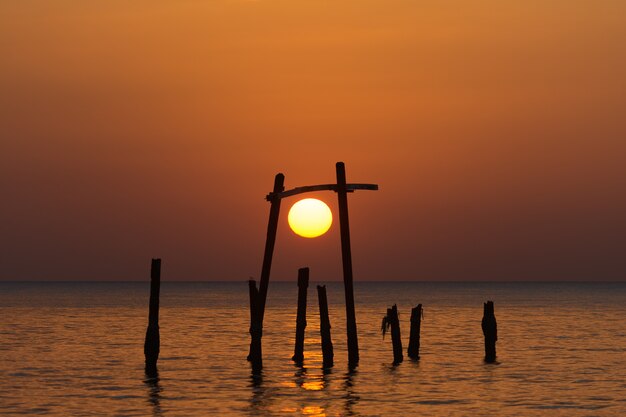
(310, 217)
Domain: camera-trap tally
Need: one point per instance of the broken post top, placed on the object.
(488, 308)
(417, 313)
(311, 188)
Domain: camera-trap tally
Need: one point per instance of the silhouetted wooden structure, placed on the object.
(152, 344)
(327, 344)
(346, 257)
(414, 339)
(255, 348)
(278, 193)
(303, 285)
(490, 331)
(259, 297)
(391, 320)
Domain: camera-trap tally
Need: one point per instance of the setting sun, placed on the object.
(310, 217)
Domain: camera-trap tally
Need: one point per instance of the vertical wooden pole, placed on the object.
(393, 322)
(327, 344)
(490, 331)
(346, 256)
(414, 339)
(152, 344)
(303, 284)
(272, 225)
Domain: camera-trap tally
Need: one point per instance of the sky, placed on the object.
(495, 129)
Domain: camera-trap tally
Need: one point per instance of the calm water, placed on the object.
(77, 349)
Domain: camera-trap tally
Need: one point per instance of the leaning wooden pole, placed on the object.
(303, 285)
(414, 340)
(255, 344)
(346, 256)
(490, 331)
(327, 344)
(152, 344)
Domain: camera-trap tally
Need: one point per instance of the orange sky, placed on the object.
(495, 129)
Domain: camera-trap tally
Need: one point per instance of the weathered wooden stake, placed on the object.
(303, 284)
(256, 354)
(257, 362)
(327, 344)
(391, 320)
(152, 344)
(414, 340)
(490, 331)
(346, 256)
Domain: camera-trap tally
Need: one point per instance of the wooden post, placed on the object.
(414, 340)
(255, 344)
(303, 284)
(327, 344)
(346, 256)
(490, 331)
(257, 361)
(152, 344)
(391, 320)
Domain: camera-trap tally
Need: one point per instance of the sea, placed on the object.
(76, 349)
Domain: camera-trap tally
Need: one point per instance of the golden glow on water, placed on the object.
(313, 385)
(313, 411)
(77, 350)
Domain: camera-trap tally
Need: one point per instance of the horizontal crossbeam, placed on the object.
(322, 187)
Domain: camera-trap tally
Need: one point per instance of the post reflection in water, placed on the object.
(260, 400)
(154, 393)
(326, 374)
(300, 376)
(350, 396)
(304, 390)
(311, 382)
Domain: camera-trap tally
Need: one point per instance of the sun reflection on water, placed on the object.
(313, 410)
(313, 385)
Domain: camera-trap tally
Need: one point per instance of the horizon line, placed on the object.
(321, 281)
